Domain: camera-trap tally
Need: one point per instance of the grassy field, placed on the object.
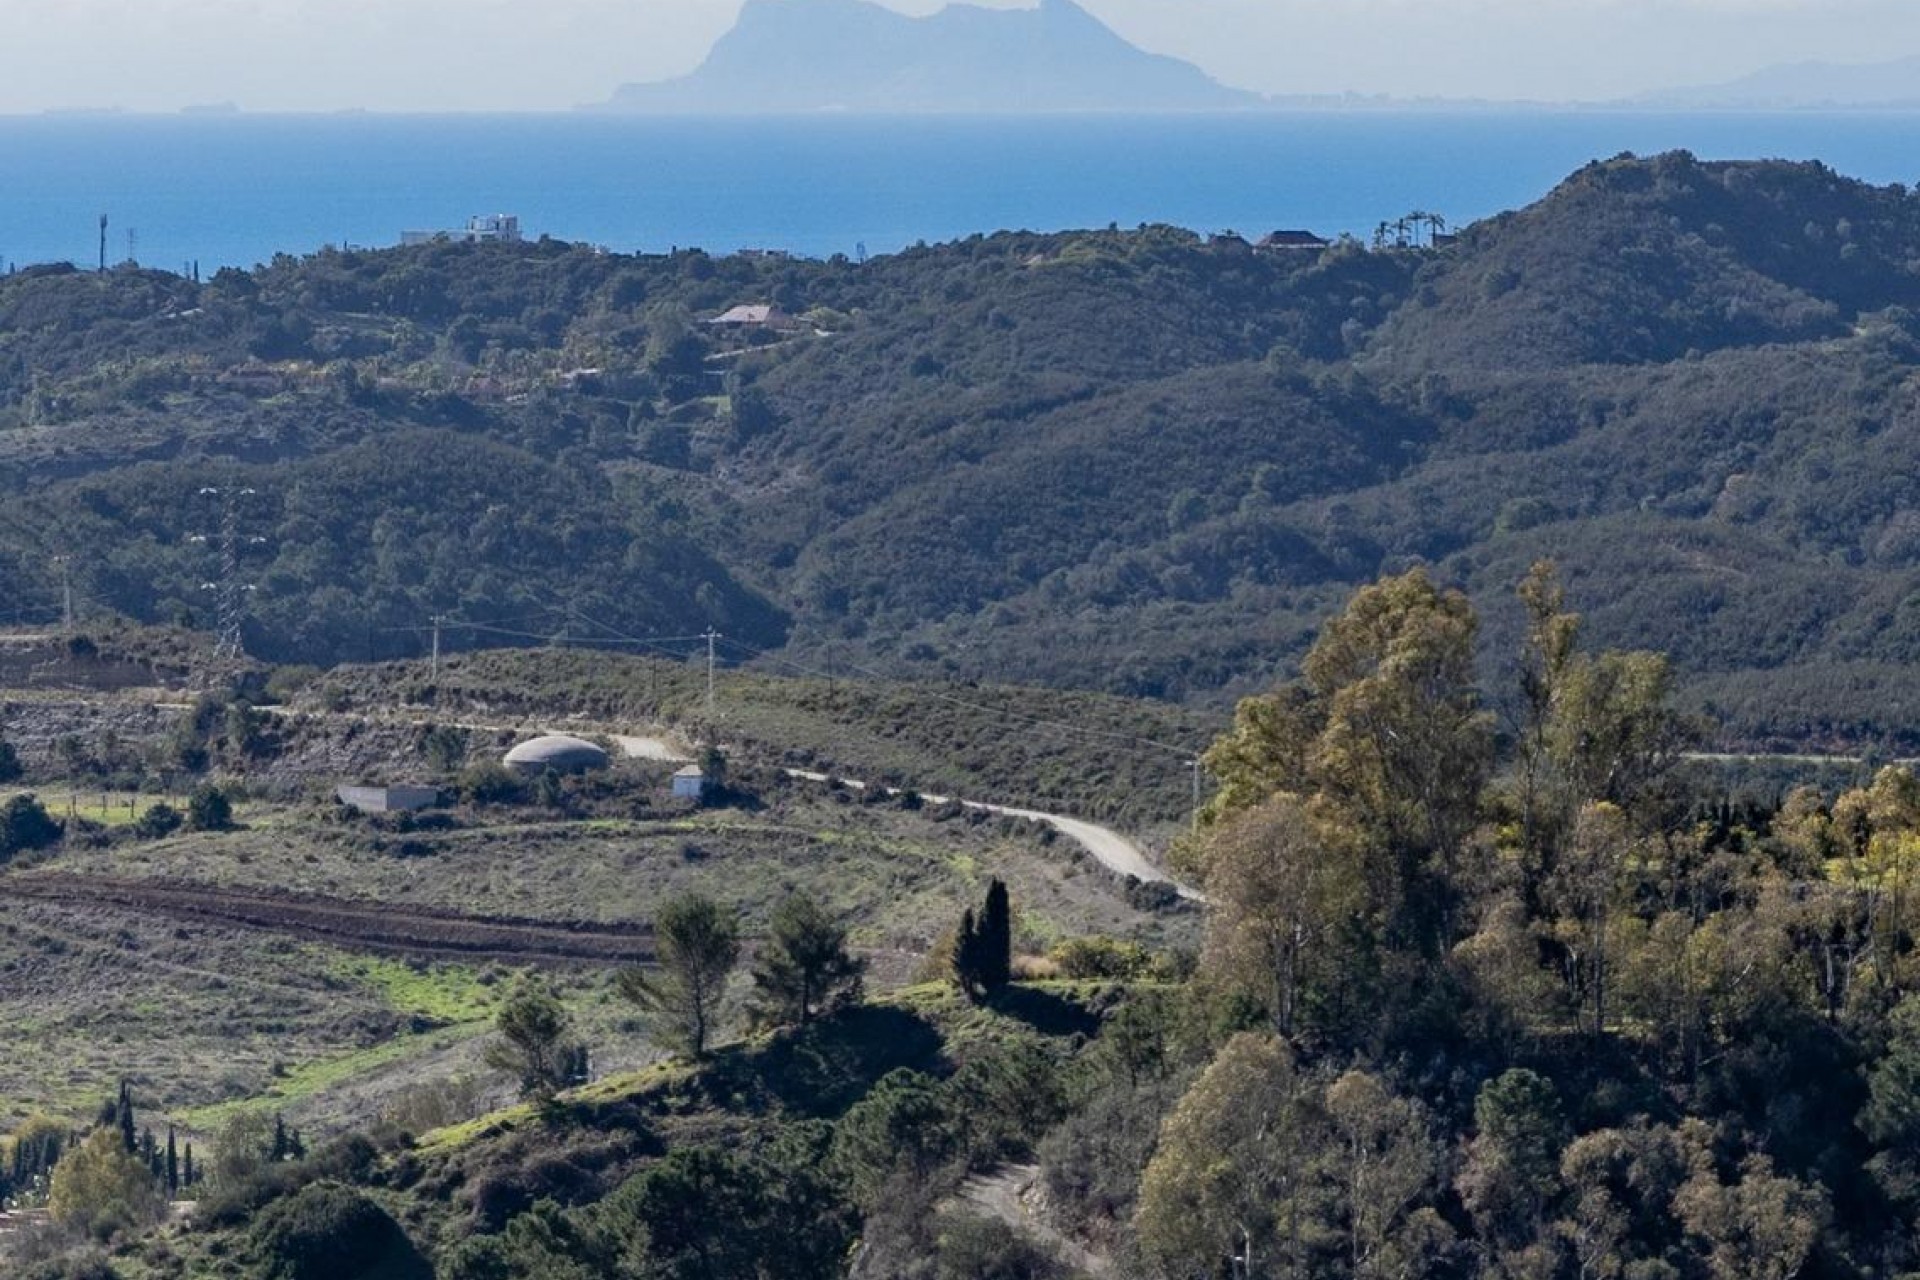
(899, 878)
(103, 807)
(205, 1019)
(195, 1016)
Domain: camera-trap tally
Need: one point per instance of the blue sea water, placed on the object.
(236, 190)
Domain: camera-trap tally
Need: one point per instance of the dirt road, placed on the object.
(372, 926)
(1108, 847)
(1007, 1193)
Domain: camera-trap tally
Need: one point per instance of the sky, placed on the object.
(531, 55)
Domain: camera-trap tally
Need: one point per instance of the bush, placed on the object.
(327, 1231)
(209, 809)
(25, 826)
(490, 783)
(1101, 957)
(10, 768)
(159, 820)
(971, 1247)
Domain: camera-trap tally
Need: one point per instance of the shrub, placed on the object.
(971, 1247)
(1101, 957)
(25, 826)
(490, 783)
(158, 821)
(10, 768)
(209, 809)
(327, 1231)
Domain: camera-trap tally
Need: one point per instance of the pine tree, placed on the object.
(536, 1042)
(698, 941)
(804, 967)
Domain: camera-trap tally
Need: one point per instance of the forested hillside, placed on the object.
(1467, 1006)
(1134, 461)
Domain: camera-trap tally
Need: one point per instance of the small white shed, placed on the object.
(389, 799)
(690, 783)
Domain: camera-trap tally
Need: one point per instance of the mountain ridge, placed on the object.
(785, 56)
(1806, 85)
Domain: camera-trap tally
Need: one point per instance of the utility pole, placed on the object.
(712, 636)
(66, 593)
(103, 243)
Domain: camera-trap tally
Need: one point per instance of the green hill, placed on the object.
(1129, 461)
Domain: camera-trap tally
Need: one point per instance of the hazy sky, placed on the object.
(540, 54)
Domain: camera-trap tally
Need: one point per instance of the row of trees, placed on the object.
(801, 970)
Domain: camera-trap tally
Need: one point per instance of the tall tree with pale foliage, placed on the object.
(99, 1187)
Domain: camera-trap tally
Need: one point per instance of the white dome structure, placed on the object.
(558, 752)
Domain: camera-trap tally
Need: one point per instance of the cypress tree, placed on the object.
(966, 957)
(996, 938)
(129, 1136)
(173, 1164)
(281, 1148)
(187, 1178)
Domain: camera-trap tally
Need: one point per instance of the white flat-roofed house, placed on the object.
(504, 227)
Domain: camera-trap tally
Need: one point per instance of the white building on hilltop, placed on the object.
(482, 226)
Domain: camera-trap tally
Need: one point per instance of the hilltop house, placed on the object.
(503, 227)
(1290, 241)
(760, 315)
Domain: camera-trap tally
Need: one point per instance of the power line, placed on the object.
(1007, 713)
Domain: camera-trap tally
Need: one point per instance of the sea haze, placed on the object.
(233, 191)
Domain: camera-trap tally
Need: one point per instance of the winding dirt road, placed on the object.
(1108, 847)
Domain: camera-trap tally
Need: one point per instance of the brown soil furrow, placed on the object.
(350, 923)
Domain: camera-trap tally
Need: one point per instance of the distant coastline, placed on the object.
(235, 189)
(1300, 104)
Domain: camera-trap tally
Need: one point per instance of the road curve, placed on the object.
(1108, 847)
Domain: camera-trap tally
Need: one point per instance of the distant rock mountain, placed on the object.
(849, 55)
(1806, 85)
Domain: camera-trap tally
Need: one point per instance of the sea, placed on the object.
(207, 191)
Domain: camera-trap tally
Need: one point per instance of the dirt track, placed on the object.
(369, 926)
